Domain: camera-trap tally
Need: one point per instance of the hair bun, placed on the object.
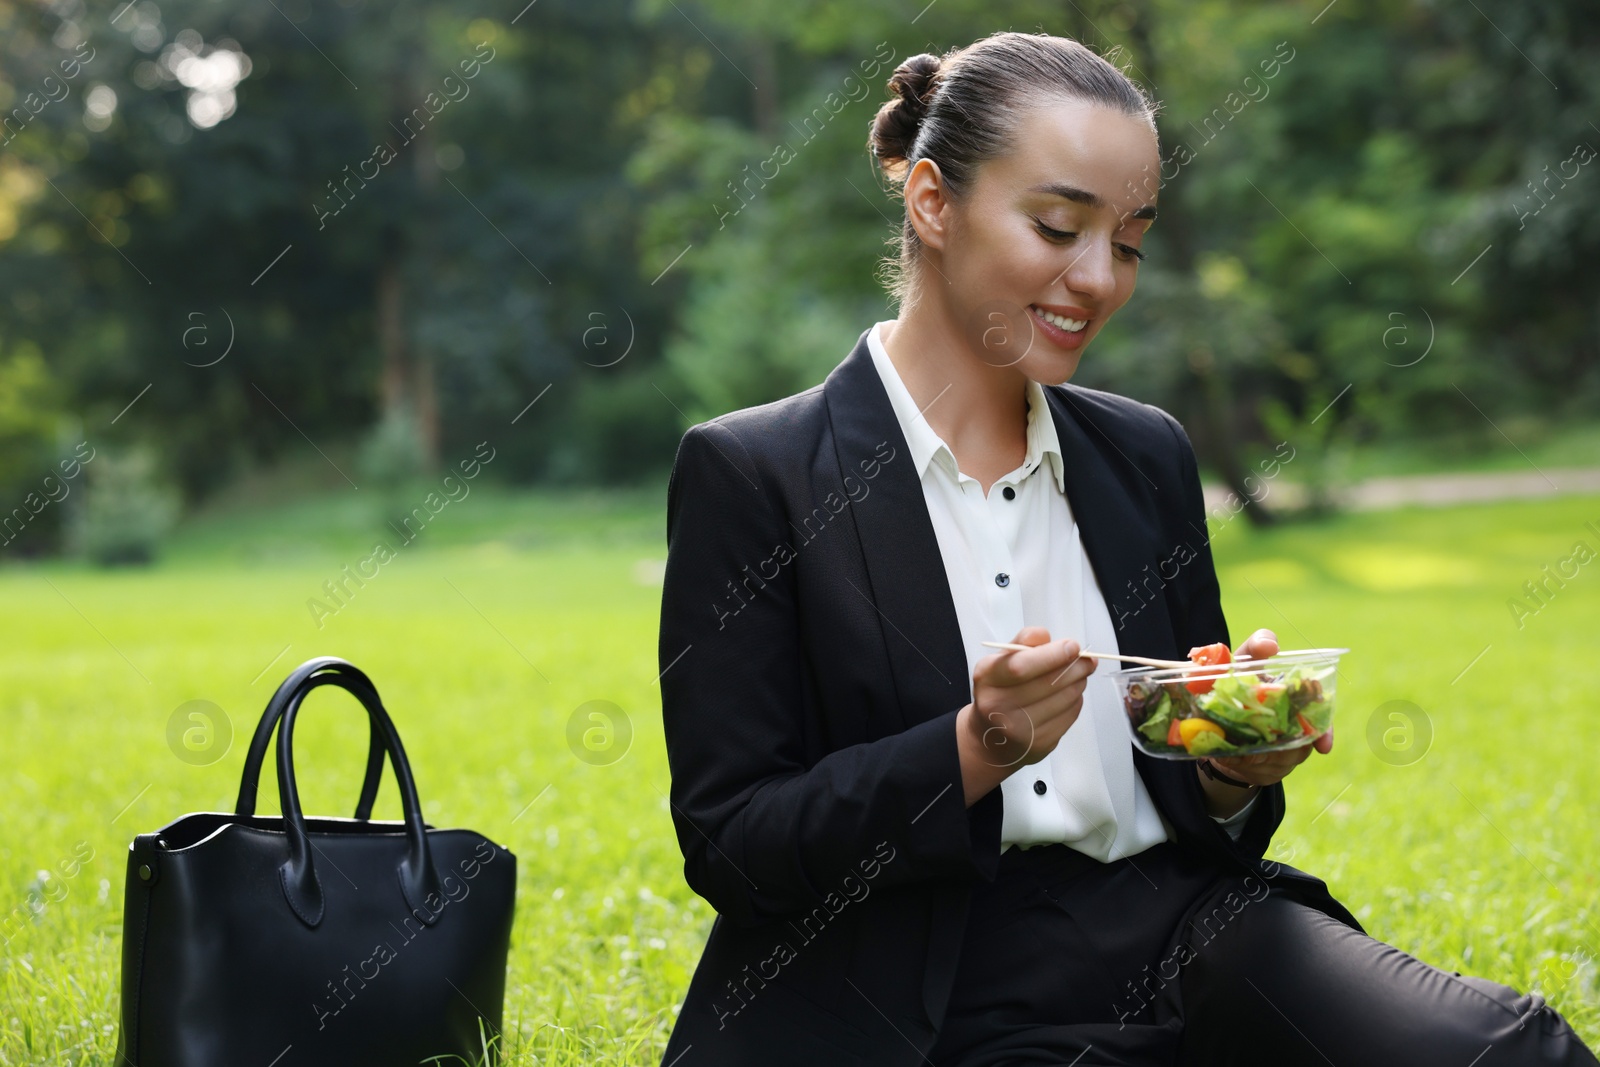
(913, 81)
(894, 128)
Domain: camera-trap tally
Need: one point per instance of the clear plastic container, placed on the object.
(1238, 708)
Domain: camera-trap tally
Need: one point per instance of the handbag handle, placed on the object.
(305, 676)
(419, 881)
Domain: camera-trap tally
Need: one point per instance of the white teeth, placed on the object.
(1070, 325)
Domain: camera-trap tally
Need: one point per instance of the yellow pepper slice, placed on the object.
(1189, 729)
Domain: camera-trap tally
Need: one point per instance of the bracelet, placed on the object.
(1217, 776)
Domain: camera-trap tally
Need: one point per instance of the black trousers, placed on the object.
(1162, 959)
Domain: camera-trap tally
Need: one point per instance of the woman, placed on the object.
(922, 850)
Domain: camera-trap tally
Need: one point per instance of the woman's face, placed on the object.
(1045, 245)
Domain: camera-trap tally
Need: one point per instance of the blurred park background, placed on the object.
(276, 275)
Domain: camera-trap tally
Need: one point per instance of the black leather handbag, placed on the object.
(297, 942)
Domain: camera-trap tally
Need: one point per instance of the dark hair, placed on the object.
(960, 110)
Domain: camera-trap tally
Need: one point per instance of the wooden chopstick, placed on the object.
(1132, 659)
(1146, 660)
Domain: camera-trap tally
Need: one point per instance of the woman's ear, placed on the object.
(928, 203)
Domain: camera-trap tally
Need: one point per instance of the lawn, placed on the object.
(1472, 850)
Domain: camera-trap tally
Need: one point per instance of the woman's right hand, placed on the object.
(1022, 705)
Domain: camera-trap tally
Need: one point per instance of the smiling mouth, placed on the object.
(1059, 321)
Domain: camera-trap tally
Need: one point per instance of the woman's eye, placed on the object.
(1127, 253)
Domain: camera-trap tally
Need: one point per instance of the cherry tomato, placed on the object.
(1207, 656)
(1174, 736)
(1211, 655)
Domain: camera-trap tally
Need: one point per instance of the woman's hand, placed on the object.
(1266, 768)
(1022, 705)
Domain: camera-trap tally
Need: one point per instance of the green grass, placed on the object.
(511, 610)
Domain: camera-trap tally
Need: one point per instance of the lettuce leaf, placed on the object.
(1207, 742)
(1158, 721)
(1232, 704)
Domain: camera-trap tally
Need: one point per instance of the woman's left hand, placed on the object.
(1265, 768)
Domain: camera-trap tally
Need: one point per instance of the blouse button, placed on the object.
(1010, 493)
(1039, 786)
(1002, 579)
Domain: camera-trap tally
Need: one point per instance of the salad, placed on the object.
(1225, 711)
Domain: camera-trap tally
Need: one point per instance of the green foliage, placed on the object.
(747, 341)
(1316, 446)
(505, 217)
(626, 429)
(33, 426)
(392, 456)
(126, 511)
(391, 462)
(1410, 173)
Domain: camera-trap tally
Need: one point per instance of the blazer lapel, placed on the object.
(928, 664)
(1120, 544)
(927, 660)
(902, 555)
(1118, 540)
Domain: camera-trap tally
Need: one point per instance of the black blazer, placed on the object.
(812, 671)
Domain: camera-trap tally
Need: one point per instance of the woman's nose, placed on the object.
(1091, 271)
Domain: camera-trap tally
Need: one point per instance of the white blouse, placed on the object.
(1014, 558)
